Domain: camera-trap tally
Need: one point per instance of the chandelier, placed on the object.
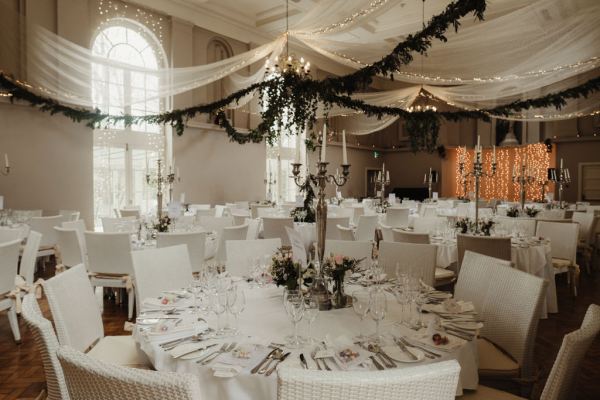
(421, 103)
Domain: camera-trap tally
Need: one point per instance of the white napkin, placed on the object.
(223, 370)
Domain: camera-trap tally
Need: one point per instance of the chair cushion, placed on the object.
(120, 350)
(488, 393)
(443, 273)
(494, 362)
(561, 264)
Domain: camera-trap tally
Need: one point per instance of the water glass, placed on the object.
(236, 303)
(377, 310)
(360, 305)
(311, 310)
(219, 306)
(294, 306)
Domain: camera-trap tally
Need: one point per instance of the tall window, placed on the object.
(123, 155)
(279, 168)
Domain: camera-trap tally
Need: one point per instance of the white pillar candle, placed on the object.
(383, 169)
(379, 175)
(344, 152)
(387, 175)
(297, 158)
(561, 162)
(324, 144)
(182, 198)
(425, 178)
(6, 163)
(494, 155)
(478, 148)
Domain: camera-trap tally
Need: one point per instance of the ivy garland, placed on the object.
(289, 100)
(309, 197)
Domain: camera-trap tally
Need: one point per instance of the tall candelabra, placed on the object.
(523, 179)
(159, 181)
(270, 182)
(381, 181)
(429, 179)
(562, 176)
(477, 173)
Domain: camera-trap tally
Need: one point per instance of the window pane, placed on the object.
(109, 181)
(144, 195)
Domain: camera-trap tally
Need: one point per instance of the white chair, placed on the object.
(240, 253)
(9, 261)
(428, 211)
(69, 247)
(80, 227)
(29, 257)
(359, 211)
(525, 225)
(366, 227)
(90, 379)
(262, 212)
(47, 345)
(78, 322)
(239, 232)
(125, 224)
(9, 234)
(397, 217)
(560, 384)
(510, 302)
(195, 242)
(332, 222)
(435, 381)
(221, 210)
(215, 224)
(242, 205)
(346, 233)
(239, 216)
(343, 212)
(208, 212)
(109, 262)
(497, 247)
(563, 246)
(352, 249)
(69, 215)
(274, 227)
(157, 270)
(552, 214)
(588, 223)
(386, 232)
(410, 257)
(253, 228)
(255, 208)
(428, 224)
(409, 237)
(129, 212)
(45, 226)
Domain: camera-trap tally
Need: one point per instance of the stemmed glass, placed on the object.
(360, 305)
(236, 303)
(219, 306)
(377, 310)
(294, 306)
(311, 310)
(195, 289)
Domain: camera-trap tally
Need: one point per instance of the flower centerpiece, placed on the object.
(464, 224)
(531, 211)
(306, 213)
(485, 225)
(163, 224)
(512, 212)
(335, 267)
(284, 270)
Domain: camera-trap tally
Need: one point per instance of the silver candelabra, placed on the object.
(159, 181)
(270, 182)
(562, 176)
(429, 179)
(381, 181)
(523, 179)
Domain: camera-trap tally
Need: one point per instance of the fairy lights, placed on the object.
(501, 185)
(111, 9)
(373, 6)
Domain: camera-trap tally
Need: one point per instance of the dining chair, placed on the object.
(76, 315)
(129, 212)
(240, 253)
(552, 214)
(497, 247)
(523, 225)
(436, 381)
(386, 232)
(88, 378)
(70, 251)
(123, 224)
(563, 246)
(346, 232)
(429, 211)
(239, 216)
(195, 242)
(69, 215)
(510, 303)
(561, 381)
(45, 226)
(47, 345)
(274, 227)
(410, 257)
(157, 270)
(206, 212)
(397, 217)
(428, 224)
(239, 232)
(262, 212)
(358, 211)
(216, 224)
(254, 209)
(80, 227)
(9, 259)
(409, 237)
(109, 263)
(9, 234)
(353, 249)
(221, 210)
(253, 228)
(29, 257)
(588, 224)
(331, 231)
(366, 227)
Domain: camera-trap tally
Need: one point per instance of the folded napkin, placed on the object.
(425, 340)
(223, 370)
(264, 292)
(450, 306)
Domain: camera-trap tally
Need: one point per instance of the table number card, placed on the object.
(298, 250)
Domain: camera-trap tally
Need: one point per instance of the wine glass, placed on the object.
(294, 306)
(360, 305)
(377, 310)
(195, 289)
(219, 306)
(311, 310)
(236, 303)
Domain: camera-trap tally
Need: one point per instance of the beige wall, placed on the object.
(51, 161)
(574, 153)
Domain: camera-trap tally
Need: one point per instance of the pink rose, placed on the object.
(339, 259)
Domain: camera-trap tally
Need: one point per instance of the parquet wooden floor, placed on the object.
(22, 375)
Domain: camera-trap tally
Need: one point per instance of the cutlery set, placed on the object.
(277, 355)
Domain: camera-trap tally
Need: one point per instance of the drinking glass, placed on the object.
(311, 310)
(360, 305)
(236, 303)
(377, 310)
(195, 289)
(294, 306)
(219, 306)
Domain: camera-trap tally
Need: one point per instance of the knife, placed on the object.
(195, 350)
(267, 357)
(405, 349)
(377, 365)
(303, 361)
(283, 357)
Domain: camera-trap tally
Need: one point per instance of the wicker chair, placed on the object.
(240, 253)
(195, 242)
(410, 237)
(239, 232)
(352, 249)
(561, 381)
(366, 227)
(563, 243)
(29, 256)
(91, 379)
(497, 247)
(9, 258)
(78, 322)
(588, 223)
(346, 233)
(397, 217)
(510, 303)
(47, 344)
(426, 382)
(386, 233)
(274, 227)
(421, 256)
(428, 224)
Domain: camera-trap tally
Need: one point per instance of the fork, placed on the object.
(231, 347)
(214, 354)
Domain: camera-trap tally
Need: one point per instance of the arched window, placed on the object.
(123, 155)
(217, 50)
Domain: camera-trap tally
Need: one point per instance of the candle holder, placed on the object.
(429, 180)
(523, 179)
(270, 182)
(562, 177)
(159, 181)
(5, 171)
(381, 182)
(477, 173)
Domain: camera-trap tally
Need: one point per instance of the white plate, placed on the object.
(398, 355)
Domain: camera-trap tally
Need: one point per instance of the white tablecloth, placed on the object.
(265, 317)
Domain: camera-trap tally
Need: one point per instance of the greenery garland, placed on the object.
(309, 197)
